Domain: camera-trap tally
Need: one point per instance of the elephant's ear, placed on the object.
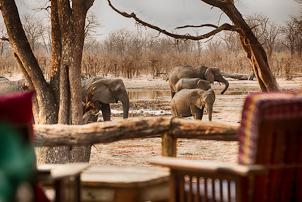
(209, 74)
(102, 93)
(203, 84)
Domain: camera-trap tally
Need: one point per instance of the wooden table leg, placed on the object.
(58, 190)
(77, 188)
(126, 195)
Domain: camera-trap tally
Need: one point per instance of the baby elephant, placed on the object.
(188, 102)
(191, 83)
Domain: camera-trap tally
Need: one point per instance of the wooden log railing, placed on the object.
(169, 129)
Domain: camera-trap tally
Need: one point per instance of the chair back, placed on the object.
(16, 109)
(271, 135)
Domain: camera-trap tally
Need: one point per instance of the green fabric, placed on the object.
(17, 160)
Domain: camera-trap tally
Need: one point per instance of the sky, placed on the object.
(171, 13)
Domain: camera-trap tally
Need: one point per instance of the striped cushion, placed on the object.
(258, 108)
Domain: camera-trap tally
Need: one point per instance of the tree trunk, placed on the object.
(237, 76)
(56, 49)
(253, 48)
(80, 8)
(17, 38)
(67, 47)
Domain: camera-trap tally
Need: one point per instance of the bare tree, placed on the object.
(293, 36)
(34, 30)
(250, 43)
(265, 30)
(59, 101)
(91, 25)
(231, 41)
(3, 40)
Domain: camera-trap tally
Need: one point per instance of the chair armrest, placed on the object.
(208, 167)
(57, 171)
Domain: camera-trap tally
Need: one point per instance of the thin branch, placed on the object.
(4, 39)
(197, 26)
(220, 16)
(223, 27)
(47, 8)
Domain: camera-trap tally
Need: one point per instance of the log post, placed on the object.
(168, 145)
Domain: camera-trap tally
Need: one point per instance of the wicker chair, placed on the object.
(269, 164)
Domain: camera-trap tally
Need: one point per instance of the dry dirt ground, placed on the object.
(150, 97)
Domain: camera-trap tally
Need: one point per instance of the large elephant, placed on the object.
(192, 83)
(210, 74)
(102, 92)
(188, 102)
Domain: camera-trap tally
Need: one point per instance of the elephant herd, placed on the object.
(190, 89)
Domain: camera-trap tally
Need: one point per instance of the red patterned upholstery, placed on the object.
(258, 109)
(271, 134)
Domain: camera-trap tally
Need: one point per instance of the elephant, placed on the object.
(210, 74)
(102, 92)
(88, 81)
(7, 86)
(188, 102)
(191, 83)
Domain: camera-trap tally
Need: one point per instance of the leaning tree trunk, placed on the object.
(46, 103)
(253, 48)
(63, 58)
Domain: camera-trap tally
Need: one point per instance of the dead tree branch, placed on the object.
(197, 26)
(223, 27)
(4, 39)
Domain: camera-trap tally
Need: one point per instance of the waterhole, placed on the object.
(143, 94)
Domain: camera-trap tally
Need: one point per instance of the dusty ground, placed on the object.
(150, 97)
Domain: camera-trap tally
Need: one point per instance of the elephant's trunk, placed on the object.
(226, 85)
(125, 102)
(210, 103)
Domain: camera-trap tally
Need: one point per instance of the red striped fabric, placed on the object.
(259, 107)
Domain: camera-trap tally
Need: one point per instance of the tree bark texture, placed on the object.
(72, 21)
(56, 49)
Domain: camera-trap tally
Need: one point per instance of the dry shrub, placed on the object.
(134, 54)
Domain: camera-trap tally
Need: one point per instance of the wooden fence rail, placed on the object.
(105, 132)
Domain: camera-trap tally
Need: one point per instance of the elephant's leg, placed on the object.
(196, 112)
(105, 108)
(200, 113)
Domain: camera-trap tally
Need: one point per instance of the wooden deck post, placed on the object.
(168, 145)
